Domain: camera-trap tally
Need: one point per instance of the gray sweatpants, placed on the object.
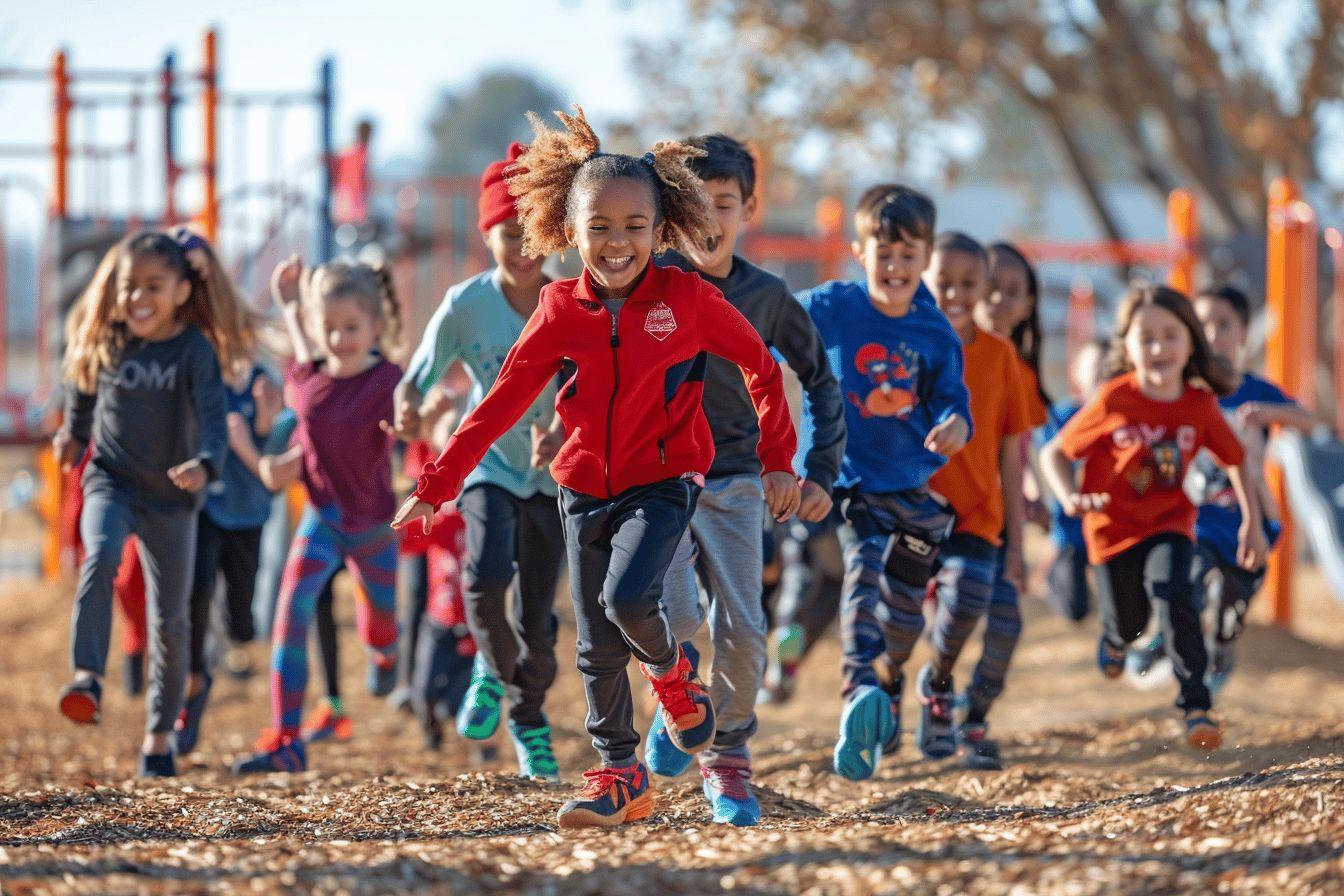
(167, 555)
(723, 545)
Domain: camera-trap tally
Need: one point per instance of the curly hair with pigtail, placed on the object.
(370, 285)
(96, 331)
(561, 167)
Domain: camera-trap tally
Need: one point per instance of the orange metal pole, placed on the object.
(1334, 240)
(60, 144)
(1284, 336)
(1183, 230)
(210, 110)
(831, 223)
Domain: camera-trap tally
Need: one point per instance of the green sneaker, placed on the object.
(536, 758)
(479, 717)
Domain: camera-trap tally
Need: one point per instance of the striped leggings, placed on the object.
(965, 586)
(1003, 628)
(318, 552)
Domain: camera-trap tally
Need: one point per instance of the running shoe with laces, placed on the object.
(536, 756)
(976, 749)
(936, 735)
(865, 725)
(482, 704)
(610, 796)
(327, 723)
(274, 754)
(663, 756)
(187, 728)
(730, 798)
(688, 712)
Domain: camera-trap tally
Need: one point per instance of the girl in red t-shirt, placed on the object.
(1135, 439)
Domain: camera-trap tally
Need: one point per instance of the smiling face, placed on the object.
(349, 331)
(149, 292)
(1159, 346)
(505, 241)
(614, 227)
(1223, 328)
(959, 281)
(893, 270)
(731, 211)
(1008, 301)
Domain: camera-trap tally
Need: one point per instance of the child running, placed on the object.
(899, 364)
(144, 389)
(638, 445)
(1253, 407)
(723, 542)
(513, 525)
(1136, 439)
(980, 568)
(341, 401)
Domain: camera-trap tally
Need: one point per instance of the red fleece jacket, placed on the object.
(631, 409)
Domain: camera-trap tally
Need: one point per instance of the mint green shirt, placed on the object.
(476, 324)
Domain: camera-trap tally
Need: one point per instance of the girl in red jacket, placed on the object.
(1135, 439)
(637, 443)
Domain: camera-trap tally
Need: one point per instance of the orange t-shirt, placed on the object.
(970, 479)
(1137, 450)
(1031, 388)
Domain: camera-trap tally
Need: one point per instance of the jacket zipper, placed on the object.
(611, 404)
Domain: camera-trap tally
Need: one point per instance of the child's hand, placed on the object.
(1252, 547)
(948, 437)
(269, 403)
(1015, 568)
(1253, 414)
(414, 509)
(1080, 503)
(782, 494)
(240, 434)
(816, 503)
(67, 449)
(406, 422)
(545, 446)
(189, 476)
(286, 280)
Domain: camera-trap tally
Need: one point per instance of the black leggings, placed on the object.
(327, 644)
(1154, 577)
(236, 554)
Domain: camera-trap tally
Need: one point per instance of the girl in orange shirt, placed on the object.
(1135, 439)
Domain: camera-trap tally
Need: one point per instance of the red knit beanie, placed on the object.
(496, 204)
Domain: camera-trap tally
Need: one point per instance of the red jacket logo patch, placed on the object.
(660, 323)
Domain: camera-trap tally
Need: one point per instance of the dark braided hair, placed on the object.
(561, 167)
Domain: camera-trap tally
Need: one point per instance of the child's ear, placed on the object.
(856, 248)
(569, 235)
(182, 292)
(749, 209)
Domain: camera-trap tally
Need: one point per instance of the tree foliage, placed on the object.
(471, 128)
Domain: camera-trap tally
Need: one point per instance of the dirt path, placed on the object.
(1097, 796)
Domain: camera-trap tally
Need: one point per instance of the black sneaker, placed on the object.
(81, 701)
(156, 766)
(187, 729)
(936, 735)
(975, 749)
(133, 675)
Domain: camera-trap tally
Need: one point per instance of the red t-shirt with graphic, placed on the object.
(1137, 450)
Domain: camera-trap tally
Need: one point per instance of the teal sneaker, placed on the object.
(660, 754)
(479, 718)
(730, 799)
(536, 756)
(865, 727)
(784, 651)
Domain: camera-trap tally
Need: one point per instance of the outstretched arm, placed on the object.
(286, 290)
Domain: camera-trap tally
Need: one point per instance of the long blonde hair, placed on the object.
(96, 332)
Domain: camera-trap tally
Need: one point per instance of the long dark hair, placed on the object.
(1203, 367)
(1026, 335)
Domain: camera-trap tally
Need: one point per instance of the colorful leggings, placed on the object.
(1003, 628)
(318, 551)
(965, 586)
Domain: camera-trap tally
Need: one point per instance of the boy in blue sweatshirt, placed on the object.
(907, 410)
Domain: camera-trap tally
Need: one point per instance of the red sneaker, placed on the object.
(687, 710)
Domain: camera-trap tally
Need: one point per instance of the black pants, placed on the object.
(328, 645)
(236, 553)
(619, 550)
(1070, 595)
(1154, 577)
(442, 672)
(510, 537)
(412, 598)
(1229, 588)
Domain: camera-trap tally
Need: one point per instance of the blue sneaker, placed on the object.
(610, 796)
(282, 754)
(688, 712)
(536, 756)
(382, 677)
(660, 752)
(187, 728)
(1110, 659)
(730, 798)
(479, 717)
(864, 727)
(936, 734)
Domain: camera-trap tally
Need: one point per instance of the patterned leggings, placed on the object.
(965, 588)
(318, 551)
(1003, 628)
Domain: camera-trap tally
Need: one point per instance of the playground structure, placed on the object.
(427, 228)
